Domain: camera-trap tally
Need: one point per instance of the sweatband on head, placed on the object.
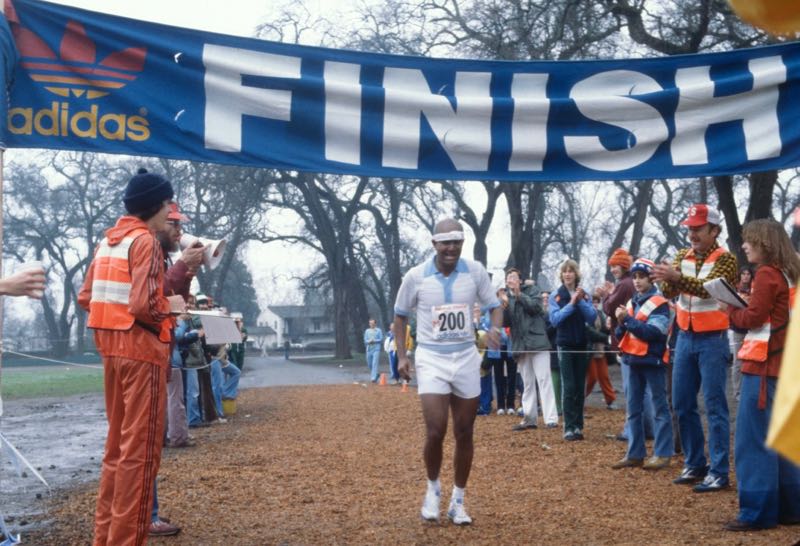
(448, 236)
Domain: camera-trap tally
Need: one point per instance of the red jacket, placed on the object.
(146, 301)
(769, 299)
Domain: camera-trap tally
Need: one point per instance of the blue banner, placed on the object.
(95, 82)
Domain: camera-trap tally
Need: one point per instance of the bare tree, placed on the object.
(62, 222)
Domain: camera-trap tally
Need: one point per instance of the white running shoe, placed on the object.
(430, 506)
(458, 514)
(501, 412)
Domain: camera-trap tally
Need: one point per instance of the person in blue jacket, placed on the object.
(373, 341)
(570, 310)
(642, 331)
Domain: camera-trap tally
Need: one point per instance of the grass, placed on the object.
(49, 381)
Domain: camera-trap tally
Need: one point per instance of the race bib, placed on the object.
(451, 322)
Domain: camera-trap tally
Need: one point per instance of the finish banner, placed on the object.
(95, 82)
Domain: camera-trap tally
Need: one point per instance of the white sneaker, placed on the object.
(501, 412)
(430, 506)
(458, 514)
(520, 412)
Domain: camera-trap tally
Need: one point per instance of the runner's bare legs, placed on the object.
(434, 410)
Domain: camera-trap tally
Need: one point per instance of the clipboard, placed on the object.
(720, 289)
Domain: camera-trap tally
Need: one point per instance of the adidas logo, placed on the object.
(75, 69)
(75, 73)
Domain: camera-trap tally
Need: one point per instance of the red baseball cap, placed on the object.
(175, 214)
(700, 215)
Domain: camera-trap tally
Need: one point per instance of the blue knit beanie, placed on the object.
(146, 190)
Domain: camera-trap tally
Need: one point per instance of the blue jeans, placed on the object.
(192, 387)
(654, 377)
(485, 400)
(768, 484)
(625, 370)
(393, 373)
(701, 361)
(154, 512)
(217, 381)
(373, 358)
(230, 388)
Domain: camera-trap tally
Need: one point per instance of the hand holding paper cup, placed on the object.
(29, 280)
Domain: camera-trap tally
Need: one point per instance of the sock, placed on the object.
(435, 486)
(458, 494)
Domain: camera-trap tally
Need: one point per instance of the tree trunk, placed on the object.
(762, 186)
(727, 205)
(641, 205)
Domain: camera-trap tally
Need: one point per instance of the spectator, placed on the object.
(555, 371)
(531, 351)
(598, 365)
(390, 346)
(187, 339)
(642, 332)
(612, 297)
(503, 365)
(702, 351)
(372, 346)
(737, 334)
(123, 291)
(237, 350)
(768, 485)
(485, 398)
(570, 312)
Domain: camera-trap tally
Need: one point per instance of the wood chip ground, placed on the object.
(343, 465)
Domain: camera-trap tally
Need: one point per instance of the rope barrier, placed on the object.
(64, 362)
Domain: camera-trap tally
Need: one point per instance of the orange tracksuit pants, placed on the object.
(598, 372)
(136, 397)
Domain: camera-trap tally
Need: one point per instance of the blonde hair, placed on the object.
(771, 239)
(569, 263)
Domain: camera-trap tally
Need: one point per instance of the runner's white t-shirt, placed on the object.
(444, 304)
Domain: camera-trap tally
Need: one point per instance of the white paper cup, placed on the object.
(32, 265)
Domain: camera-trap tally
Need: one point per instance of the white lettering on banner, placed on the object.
(227, 100)
(698, 108)
(464, 132)
(342, 112)
(529, 126)
(609, 97)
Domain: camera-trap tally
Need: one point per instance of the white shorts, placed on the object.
(445, 373)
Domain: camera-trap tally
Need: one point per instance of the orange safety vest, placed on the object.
(755, 346)
(700, 314)
(111, 288)
(631, 344)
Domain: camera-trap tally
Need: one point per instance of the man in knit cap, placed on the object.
(123, 293)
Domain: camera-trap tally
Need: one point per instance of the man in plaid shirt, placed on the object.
(702, 351)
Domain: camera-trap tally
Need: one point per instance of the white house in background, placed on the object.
(299, 323)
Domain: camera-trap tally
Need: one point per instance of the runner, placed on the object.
(443, 291)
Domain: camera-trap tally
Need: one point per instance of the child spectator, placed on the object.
(642, 331)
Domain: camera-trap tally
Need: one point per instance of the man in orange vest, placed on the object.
(702, 351)
(124, 294)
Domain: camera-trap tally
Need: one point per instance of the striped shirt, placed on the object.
(424, 288)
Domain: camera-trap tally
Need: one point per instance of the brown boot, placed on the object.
(657, 463)
(627, 463)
